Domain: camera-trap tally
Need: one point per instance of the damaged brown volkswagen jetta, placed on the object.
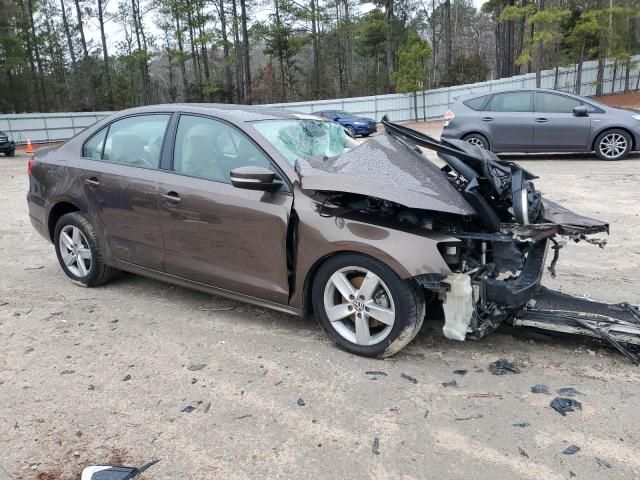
(286, 211)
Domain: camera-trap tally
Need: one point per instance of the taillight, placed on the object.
(31, 164)
(448, 117)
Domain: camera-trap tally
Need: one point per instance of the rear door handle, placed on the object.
(172, 197)
(487, 119)
(541, 120)
(92, 182)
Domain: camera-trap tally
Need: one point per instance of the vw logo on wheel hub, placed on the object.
(358, 305)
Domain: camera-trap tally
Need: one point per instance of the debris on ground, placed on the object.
(67, 372)
(452, 383)
(522, 452)
(408, 377)
(460, 372)
(194, 367)
(540, 388)
(472, 417)
(603, 463)
(571, 449)
(242, 417)
(503, 367)
(376, 373)
(521, 424)
(301, 402)
(376, 446)
(568, 392)
(127, 378)
(564, 405)
(207, 407)
(188, 409)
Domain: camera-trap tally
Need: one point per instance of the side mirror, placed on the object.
(581, 111)
(255, 178)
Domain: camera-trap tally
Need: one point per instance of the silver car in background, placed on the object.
(542, 120)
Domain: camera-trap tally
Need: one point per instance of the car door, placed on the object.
(118, 172)
(215, 233)
(508, 119)
(555, 126)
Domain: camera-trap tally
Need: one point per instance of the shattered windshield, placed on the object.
(295, 138)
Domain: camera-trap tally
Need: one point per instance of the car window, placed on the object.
(92, 148)
(592, 108)
(210, 149)
(476, 103)
(552, 103)
(136, 141)
(511, 102)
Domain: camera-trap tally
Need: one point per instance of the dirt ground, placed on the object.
(89, 376)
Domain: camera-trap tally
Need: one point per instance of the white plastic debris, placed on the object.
(457, 306)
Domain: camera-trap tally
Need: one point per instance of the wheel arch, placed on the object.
(58, 210)
(608, 128)
(476, 132)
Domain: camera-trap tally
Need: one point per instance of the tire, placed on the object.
(613, 145)
(477, 140)
(11, 153)
(352, 131)
(95, 272)
(392, 294)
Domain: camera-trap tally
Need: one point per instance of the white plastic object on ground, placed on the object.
(458, 306)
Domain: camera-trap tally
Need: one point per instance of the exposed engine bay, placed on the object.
(503, 227)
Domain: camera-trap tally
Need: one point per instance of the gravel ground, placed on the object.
(89, 376)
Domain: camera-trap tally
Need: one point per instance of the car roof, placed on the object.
(468, 96)
(234, 113)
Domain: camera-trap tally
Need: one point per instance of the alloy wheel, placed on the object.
(613, 145)
(475, 141)
(359, 306)
(75, 251)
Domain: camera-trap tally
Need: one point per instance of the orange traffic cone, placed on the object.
(29, 146)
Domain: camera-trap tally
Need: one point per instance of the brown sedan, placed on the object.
(287, 211)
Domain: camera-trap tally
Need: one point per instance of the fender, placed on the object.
(408, 254)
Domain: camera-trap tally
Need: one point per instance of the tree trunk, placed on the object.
(67, 32)
(238, 53)
(615, 72)
(389, 18)
(105, 56)
(415, 105)
(246, 63)
(316, 54)
(85, 52)
(627, 73)
(228, 88)
(183, 68)
(578, 86)
(36, 50)
(448, 38)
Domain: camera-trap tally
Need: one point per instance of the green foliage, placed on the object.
(411, 73)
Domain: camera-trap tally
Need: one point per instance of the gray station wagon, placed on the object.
(543, 120)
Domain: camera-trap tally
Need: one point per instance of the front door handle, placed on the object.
(92, 182)
(541, 120)
(487, 119)
(172, 197)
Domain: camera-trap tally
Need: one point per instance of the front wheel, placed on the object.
(613, 145)
(79, 252)
(352, 131)
(11, 153)
(365, 307)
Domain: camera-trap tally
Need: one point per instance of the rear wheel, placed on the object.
(477, 140)
(352, 131)
(79, 252)
(613, 145)
(365, 307)
(11, 153)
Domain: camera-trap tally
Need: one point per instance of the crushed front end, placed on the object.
(498, 263)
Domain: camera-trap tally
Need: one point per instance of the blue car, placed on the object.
(354, 124)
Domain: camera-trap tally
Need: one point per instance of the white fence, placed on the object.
(50, 127)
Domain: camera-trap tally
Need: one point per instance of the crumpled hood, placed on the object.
(386, 168)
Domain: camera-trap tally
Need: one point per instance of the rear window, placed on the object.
(511, 102)
(477, 103)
